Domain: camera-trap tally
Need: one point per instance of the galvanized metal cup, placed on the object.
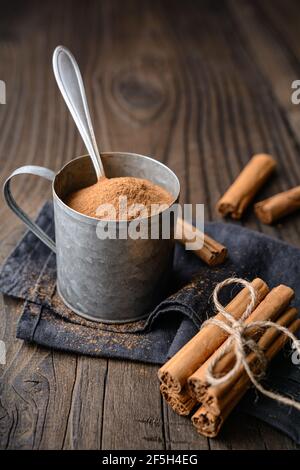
(111, 280)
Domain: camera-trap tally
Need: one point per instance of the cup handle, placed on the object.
(32, 170)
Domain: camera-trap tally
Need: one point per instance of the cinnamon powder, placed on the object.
(141, 194)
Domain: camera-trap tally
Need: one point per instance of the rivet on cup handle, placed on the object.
(31, 170)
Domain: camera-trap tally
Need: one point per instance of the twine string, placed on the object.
(239, 340)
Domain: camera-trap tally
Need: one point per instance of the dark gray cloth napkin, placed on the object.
(30, 273)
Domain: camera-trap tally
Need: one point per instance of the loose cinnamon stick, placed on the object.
(182, 403)
(275, 207)
(244, 188)
(209, 424)
(187, 360)
(269, 309)
(212, 253)
(217, 397)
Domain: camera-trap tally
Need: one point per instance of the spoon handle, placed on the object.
(70, 83)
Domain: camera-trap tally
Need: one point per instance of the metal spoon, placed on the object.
(70, 83)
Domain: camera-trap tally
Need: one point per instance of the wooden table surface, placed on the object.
(199, 85)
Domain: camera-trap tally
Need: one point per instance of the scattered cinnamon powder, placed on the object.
(141, 194)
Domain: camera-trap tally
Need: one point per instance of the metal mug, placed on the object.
(111, 280)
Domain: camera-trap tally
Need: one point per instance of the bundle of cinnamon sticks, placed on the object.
(183, 377)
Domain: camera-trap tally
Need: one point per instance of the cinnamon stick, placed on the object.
(208, 423)
(246, 185)
(187, 360)
(212, 252)
(217, 397)
(269, 309)
(182, 403)
(275, 207)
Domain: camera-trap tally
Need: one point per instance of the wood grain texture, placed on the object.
(199, 85)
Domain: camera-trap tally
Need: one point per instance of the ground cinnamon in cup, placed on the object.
(106, 191)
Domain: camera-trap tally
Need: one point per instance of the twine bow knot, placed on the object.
(239, 339)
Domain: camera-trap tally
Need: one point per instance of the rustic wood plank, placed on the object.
(242, 111)
(35, 388)
(276, 59)
(275, 75)
(132, 408)
(180, 434)
(85, 419)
